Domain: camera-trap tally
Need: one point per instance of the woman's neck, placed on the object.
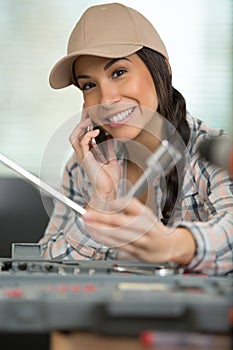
(146, 142)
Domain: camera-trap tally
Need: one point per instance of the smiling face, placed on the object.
(120, 91)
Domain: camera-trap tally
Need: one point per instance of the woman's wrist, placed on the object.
(100, 201)
(183, 246)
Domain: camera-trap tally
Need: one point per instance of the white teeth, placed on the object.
(121, 116)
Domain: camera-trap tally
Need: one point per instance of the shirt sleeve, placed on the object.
(65, 236)
(214, 235)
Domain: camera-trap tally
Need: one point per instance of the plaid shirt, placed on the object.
(206, 209)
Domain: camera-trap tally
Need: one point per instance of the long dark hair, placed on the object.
(171, 106)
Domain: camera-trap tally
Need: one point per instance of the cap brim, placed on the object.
(61, 74)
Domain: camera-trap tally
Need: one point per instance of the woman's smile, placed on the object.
(120, 118)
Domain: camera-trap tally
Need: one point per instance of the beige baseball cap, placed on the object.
(108, 30)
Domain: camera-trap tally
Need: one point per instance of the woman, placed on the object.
(119, 62)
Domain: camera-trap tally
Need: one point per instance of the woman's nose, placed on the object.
(109, 95)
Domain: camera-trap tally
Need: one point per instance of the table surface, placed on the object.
(89, 341)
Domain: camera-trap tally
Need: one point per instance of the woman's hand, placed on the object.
(134, 229)
(104, 177)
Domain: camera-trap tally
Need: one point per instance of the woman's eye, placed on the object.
(118, 73)
(87, 86)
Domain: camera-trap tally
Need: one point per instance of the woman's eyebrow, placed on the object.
(114, 60)
(83, 77)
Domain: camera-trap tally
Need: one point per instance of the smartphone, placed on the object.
(99, 145)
